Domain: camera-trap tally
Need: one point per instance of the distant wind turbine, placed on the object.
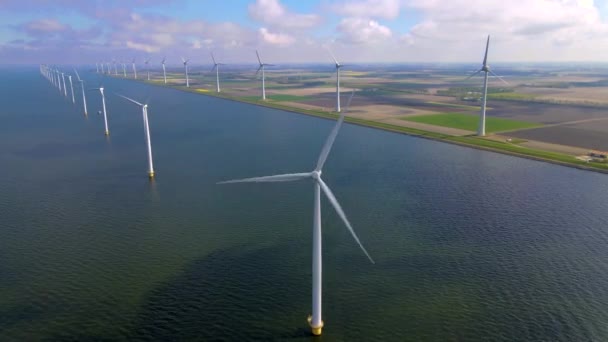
(338, 67)
(72, 88)
(147, 69)
(65, 90)
(102, 70)
(144, 109)
(262, 67)
(186, 69)
(84, 98)
(105, 114)
(109, 68)
(164, 71)
(481, 128)
(124, 69)
(97, 67)
(115, 67)
(134, 69)
(315, 321)
(216, 66)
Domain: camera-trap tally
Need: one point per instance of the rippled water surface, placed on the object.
(469, 245)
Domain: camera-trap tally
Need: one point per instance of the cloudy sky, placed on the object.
(294, 31)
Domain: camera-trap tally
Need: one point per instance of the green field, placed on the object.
(279, 98)
(470, 122)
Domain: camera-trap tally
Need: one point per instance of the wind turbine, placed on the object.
(84, 98)
(115, 67)
(109, 68)
(72, 88)
(147, 69)
(315, 321)
(102, 70)
(144, 110)
(217, 72)
(134, 70)
(124, 69)
(164, 71)
(481, 128)
(103, 103)
(338, 67)
(65, 90)
(97, 67)
(186, 68)
(262, 66)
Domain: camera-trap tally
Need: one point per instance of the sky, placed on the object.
(302, 31)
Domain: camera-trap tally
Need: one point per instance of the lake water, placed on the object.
(469, 245)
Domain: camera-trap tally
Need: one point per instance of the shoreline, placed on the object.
(403, 130)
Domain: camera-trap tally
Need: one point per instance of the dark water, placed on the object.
(469, 245)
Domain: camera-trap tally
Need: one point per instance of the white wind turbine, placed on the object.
(216, 66)
(124, 69)
(134, 69)
(103, 103)
(65, 90)
(102, 70)
(262, 67)
(164, 71)
(109, 68)
(481, 128)
(144, 109)
(115, 67)
(72, 88)
(338, 67)
(315, 320)
(147, 69)
(186, 69)
(84, 98)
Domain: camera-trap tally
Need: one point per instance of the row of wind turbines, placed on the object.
(57, 78)
(315, 320)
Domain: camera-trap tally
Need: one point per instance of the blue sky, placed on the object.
(290, 31)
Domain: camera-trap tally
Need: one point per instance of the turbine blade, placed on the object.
(129, 99)
(289, 177)
(257, 54)
(332, 199)
(164, 59)
(213, 67)
(334, 57)
(332, 136)
(76, 71)
(213, 58)
(183, 60)
(260, 68)
(473, 74)
(500, 78)
(485, 56)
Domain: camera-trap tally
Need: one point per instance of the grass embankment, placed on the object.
(280, 98)
(470, 122)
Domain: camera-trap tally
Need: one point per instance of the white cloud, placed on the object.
(386, 9)
(274, 14)
(275, 38)
(142, 47)
(359, 31)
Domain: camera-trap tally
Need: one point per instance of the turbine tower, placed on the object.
(102, 70)
(217, 72)
(481, 128)
(134, 69)
(147, 69)
(65, 90)
(186, 69)
(72, 88)
(109, 68)
(315, 320)
(164, 71)
(84, 98)
(97, 67)
(338, 67)
(115, 67)
(144, 109)
(103, 103)
(124, 69)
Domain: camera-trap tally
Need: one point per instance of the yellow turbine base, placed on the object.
(315, 330)
(151, 174)
(107, 133)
